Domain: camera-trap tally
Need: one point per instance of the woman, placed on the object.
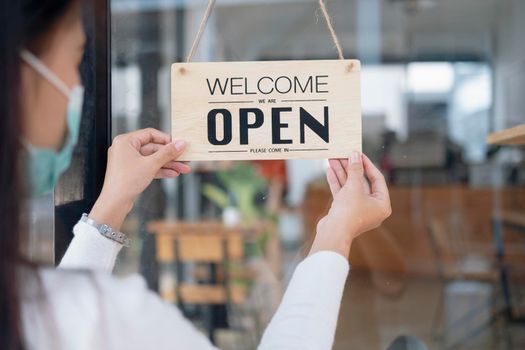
(41, 45)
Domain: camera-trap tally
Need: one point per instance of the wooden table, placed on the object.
(510, 136)
(215, 296)
(507, 219)
(502, 220)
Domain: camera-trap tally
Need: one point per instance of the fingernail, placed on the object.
(355, 157)
(179, 145)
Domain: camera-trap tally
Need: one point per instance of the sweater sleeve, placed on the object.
(139, 319)
(305, 320)
(307, 316)
(90, 250)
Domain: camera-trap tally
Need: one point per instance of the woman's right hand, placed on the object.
(135, 159)
(356, 207)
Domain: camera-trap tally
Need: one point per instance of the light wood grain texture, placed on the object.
(206, 294)
(511, 136)
(198, 246)
(163, 227)
(202, 242)
(338, 88)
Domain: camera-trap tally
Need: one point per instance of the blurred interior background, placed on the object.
(438, 76)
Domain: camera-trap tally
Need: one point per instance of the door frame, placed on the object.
(76, 194)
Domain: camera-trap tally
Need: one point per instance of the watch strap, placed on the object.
(107, 231)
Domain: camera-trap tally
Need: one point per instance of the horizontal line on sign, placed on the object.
(307, 149)
(306, 100)
(231, 151)
(230, 102)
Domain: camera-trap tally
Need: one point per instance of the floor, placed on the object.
(371, 319)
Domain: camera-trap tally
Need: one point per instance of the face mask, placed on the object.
(44, 166)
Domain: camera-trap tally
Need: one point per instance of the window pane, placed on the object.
(438, 76)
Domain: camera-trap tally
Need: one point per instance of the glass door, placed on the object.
(437, 77)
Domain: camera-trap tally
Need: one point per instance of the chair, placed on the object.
(186, 244)
(511, 270)
(455, 262)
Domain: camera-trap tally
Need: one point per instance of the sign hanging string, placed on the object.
(211, 4)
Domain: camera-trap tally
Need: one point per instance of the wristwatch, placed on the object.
(107, 231)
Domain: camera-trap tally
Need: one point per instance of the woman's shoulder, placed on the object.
(75, 307)
(103, 311)
(86, 288)
(60, 279)
(61, 285)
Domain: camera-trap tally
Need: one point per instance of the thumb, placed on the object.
(168, 153)
(355, 170)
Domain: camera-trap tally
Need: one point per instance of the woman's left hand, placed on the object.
(135, 159)
(361, 202)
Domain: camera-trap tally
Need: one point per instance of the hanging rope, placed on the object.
(330, 26)
(202, 26)
(211, 5)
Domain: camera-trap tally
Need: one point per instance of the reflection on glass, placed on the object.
(437, 77)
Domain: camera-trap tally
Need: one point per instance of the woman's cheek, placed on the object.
(45, 117)
(58, 119)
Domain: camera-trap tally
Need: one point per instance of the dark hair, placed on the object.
(24, 23)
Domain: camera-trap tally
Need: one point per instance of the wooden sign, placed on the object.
(267, 110)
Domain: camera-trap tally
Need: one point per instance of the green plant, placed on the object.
(242, 184)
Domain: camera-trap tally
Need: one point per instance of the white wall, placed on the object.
(509, 65)
(382, 93)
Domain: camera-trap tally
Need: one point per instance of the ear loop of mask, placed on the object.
(38, 66)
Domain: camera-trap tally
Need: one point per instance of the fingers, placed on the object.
(150, 148)
(366, 187)
(355, 170)
(178, 166)
(339, 170)
(376, 178)
(166, 174)
(333, 181)
(168, 153)
(148, 135)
